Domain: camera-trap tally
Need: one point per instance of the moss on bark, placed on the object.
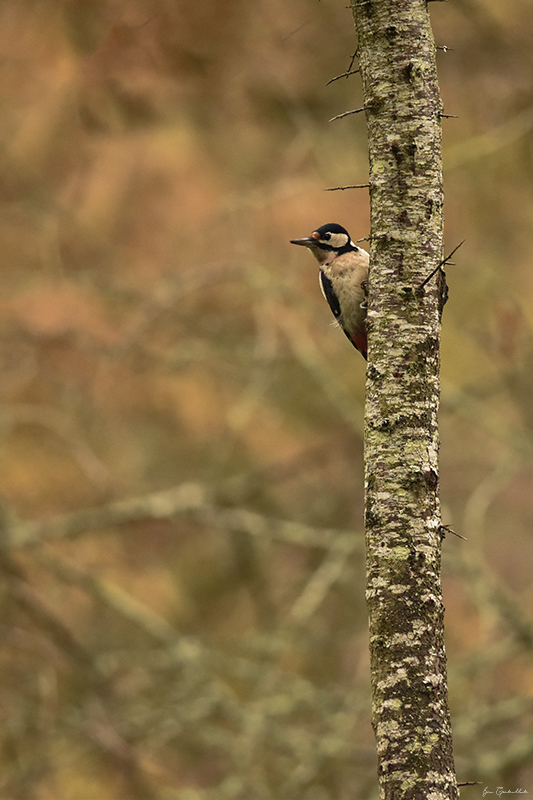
(397, 60)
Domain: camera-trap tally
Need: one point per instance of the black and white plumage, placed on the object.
(343, 275)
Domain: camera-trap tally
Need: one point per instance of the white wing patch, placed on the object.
(321, 285)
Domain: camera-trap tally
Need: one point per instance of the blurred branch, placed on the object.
(193, 499)
(487, 589)
(46, 619)
(518, 753)
(59, 423)
(110, 595)
(484, 495)
(260, 717)
(491, 141)
(102, 732)
(470, 726)
(321, 582)
(164, 296)
(311, 358)
(158, 505)
(476, 720)
(471, 408)
(479, 662)
(265, 351)
(132, 762)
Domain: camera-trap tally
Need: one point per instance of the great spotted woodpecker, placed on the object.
(343, 275)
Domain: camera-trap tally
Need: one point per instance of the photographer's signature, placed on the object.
(500, 790)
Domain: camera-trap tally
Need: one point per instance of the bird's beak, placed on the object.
(308, 242)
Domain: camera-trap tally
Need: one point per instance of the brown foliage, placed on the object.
(158, 331)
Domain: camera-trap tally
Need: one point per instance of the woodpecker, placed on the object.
(343, 275)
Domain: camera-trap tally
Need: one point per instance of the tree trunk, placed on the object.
(397, 60)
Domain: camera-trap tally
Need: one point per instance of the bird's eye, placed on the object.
(327, 237)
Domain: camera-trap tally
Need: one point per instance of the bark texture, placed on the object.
(397, 60)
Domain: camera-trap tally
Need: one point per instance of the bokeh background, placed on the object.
(183, 612)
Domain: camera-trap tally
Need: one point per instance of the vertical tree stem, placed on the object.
(403, 524)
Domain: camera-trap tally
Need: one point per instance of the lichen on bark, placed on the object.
(397, 61)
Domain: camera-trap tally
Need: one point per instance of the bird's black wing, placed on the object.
(329, 294)
(331, 297)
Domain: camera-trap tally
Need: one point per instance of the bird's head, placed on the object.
(327, 242)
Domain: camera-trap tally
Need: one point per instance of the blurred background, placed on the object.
(183, 612)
